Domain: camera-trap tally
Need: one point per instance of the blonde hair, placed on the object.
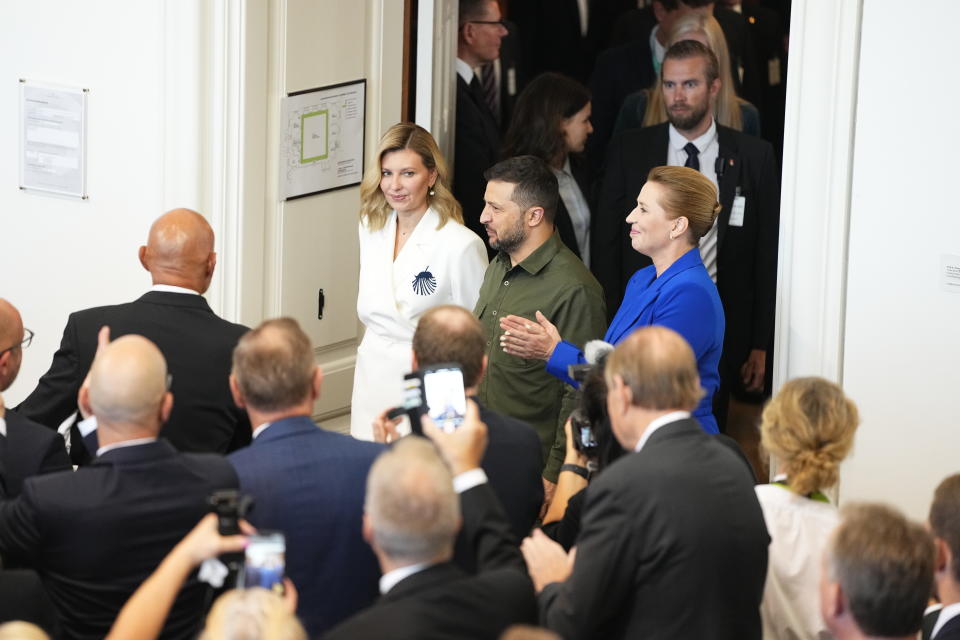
(809, 426)
(374, 209)
(726, 108)
(689, 194)
(19, 630)
(251, 614)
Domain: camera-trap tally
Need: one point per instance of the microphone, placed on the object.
(595, 350)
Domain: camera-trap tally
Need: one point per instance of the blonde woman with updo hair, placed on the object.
(808, 429)
(415, 254)
(646, 108)
(675, 208)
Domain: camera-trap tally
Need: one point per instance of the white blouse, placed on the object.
(799, 528)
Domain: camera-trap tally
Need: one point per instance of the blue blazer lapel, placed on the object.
(634, 308)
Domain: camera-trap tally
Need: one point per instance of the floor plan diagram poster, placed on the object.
(321, 147)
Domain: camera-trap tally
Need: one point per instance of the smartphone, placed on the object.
(444, 395)
(584, 439)
(264, 561)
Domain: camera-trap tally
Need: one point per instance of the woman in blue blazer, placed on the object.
(675, 209)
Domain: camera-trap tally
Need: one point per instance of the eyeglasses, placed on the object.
(499, 23)
(28, 338)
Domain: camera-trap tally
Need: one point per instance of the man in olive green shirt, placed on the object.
(533, 271)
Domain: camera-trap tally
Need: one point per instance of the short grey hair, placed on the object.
(412, 506)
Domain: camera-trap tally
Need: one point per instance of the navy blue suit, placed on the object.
(684, 299)
(310, 484)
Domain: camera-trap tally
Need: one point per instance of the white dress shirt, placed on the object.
(577, 207)
(946, 614)
(3, 427)
(799, 529)
(464, 71)
(169, 288)
(260, 429)
(709, 148)
(123, 445)
(662, 421)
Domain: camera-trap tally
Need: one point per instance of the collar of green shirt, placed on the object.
(537, 260)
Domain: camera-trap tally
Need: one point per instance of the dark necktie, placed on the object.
(693, 156)
(488, 81)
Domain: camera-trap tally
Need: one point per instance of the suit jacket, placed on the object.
(513, 462)
(198, 347)
(619, 72)
(95, 534)
(444, 602)
(28, 450)
(673, 545)
(682, 298)
(310, 484)
(22, 598)
(476, 149)
(746, 255)
(949, 631)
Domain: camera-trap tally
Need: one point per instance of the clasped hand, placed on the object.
(530, 339)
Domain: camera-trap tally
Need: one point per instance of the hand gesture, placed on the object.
(527, 339)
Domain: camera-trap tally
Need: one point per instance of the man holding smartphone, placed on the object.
(411, 517)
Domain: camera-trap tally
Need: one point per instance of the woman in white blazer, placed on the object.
(415, 254)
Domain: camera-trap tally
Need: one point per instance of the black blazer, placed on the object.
(583, 176)
(513, 463)
(28, 450)
(442, 601)
(22, 598)
(95, 534)
(476, 149)
(949, 631)
(198, 347)
(746, 255)
(620, 71)
(673, 545)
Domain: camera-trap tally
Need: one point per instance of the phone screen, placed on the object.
(264, 561)
(446, 401)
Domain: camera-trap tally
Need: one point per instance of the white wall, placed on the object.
(902, 333)
(60, 255)
(867, 213)
(183, 111)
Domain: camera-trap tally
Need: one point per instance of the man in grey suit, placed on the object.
(673, 542)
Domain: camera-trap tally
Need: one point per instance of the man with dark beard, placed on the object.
(533, 273)
(740, 252)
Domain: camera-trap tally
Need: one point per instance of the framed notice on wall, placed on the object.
(321, 146)
(53, 139)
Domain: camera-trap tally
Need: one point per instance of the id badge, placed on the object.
(736, 211)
